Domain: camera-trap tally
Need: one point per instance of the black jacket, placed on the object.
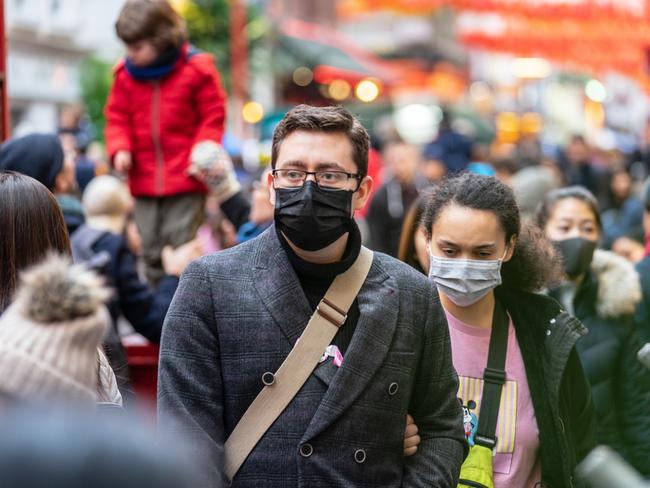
(642, 317)
(559, 390)
(142, 306)
(605, 302)
(386, 214)
(145, 308)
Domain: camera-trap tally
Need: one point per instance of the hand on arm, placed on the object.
(411, 437)
(435, 409)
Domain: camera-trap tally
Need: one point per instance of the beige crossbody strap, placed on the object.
(299, 364)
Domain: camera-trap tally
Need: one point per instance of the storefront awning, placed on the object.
(330, 55)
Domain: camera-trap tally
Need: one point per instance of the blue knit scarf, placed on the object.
(160, 68)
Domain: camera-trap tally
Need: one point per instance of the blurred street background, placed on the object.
(516, 76)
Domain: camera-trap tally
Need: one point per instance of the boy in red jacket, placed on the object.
(165, 101)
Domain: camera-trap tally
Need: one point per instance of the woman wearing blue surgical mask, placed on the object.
(484, 266)
(602, 289)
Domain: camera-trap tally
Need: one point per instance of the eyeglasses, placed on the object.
(327, 180)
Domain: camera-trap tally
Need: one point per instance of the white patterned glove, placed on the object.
(211, 164)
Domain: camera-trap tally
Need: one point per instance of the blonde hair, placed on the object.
(106, 195)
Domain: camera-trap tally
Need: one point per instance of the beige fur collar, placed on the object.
(619, 289)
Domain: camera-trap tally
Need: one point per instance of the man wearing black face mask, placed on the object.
(238, 314)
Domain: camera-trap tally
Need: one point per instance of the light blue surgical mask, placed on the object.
(465, 281)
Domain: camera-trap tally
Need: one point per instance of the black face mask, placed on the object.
(312, 218)
(577, 254)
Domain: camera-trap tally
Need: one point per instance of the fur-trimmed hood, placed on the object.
(619, 287)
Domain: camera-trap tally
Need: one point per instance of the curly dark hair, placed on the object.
(534, 262)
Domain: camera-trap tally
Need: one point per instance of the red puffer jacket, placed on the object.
(160, 121)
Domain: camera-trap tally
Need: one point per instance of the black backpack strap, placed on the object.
(82, 242)
(494, 377)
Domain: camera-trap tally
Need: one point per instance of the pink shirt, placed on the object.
(517, 462)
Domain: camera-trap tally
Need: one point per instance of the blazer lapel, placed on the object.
(279, 288)
(378, 306)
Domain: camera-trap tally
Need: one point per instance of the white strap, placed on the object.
(330, 314)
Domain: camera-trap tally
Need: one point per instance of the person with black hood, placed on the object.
(41, 157)
(602, 290)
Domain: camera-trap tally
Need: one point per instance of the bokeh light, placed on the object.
(367, 91)
(303, 76)
(339, 90)
(596, 91)
(252, 112)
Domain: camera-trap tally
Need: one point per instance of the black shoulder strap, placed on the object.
(494, 377)
(82, 242)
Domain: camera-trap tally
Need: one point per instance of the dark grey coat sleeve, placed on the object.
(632, 398)
(436, 409)
(190, 398)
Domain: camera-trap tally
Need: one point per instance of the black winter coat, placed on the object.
(642, 318)
(605, 303)
(386, 214)
(558, 387)
(142, 306)
(145, 308)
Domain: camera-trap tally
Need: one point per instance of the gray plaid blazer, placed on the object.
(237, 314)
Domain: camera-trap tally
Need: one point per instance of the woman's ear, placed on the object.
(512, 243)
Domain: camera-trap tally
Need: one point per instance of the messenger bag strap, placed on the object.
(282, 386)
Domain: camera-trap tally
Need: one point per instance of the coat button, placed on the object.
(392, 388)
(268, 378)
(306, 450)
(360, 456)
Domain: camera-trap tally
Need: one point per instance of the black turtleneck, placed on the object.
(315, 279)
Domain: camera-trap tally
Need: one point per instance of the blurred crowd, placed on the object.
(137, 216)
(99, 230)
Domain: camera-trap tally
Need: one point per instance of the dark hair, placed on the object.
(406, 252)
(324, 119)
(154, 20)
(533, 263)
(547, 205)
(32, 225)
(578, 138)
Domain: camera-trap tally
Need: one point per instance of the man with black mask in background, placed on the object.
(237, 315)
